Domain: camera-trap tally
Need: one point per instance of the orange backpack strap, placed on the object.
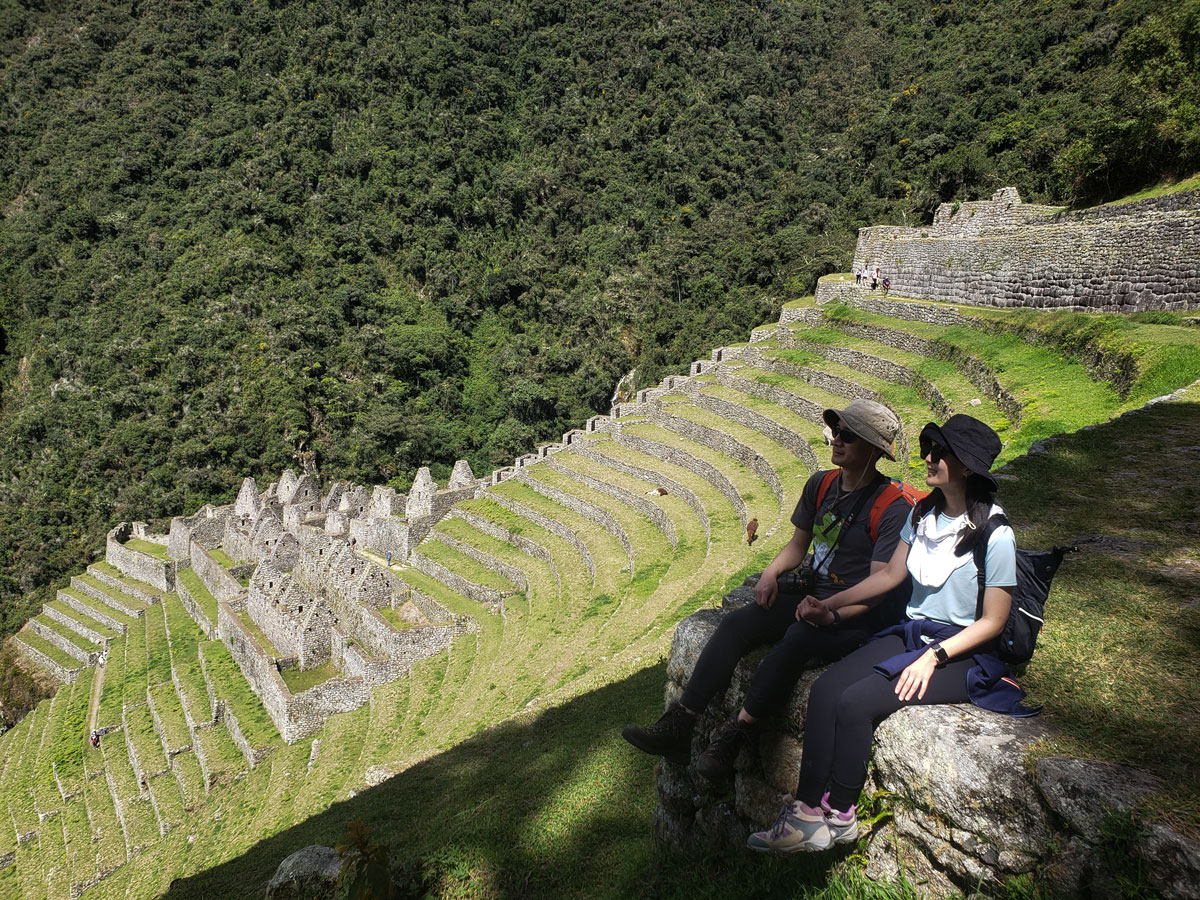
(894, 491)
(823, 488)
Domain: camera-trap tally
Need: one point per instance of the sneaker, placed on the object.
(716, 763)
(795, 831)
(843, 826)
(670, 736)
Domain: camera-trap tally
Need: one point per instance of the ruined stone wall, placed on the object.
(1126, 258)
(295, 716)
(46, 664)
(219, 582)
(157, 572)
(193, 607)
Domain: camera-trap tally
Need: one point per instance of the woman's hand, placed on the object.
(915, 678)
(766, 590)
(814, 612)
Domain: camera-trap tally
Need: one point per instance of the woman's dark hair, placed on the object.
(979, 507)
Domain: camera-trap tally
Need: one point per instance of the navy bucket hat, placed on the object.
(973, 443)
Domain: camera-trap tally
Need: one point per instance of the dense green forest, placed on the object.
(242, 235)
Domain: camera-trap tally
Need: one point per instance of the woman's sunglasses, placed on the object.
(847, 436)
(932, 449)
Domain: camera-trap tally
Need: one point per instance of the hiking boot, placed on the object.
(670, 736)
(843, 826)
(716, 763)
(795, 831)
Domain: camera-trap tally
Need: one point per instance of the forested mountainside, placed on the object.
(238, 236)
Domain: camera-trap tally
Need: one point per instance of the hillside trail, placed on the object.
(94, 703)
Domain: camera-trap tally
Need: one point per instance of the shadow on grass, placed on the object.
(555, 806)
(1118, 666)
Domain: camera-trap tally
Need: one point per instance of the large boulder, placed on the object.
(966, 809)
(308, 874)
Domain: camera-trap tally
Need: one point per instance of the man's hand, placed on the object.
(766, 590)
(814, 612)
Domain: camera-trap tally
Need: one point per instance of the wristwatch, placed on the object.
(837, 617)
(940, 653)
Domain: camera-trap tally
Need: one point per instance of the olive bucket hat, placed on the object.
(871, 421)
(973, 443)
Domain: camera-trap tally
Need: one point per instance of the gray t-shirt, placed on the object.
(851, 561)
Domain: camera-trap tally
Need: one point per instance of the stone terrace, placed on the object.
(267, 658)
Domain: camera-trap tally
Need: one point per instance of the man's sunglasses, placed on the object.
(932, 449)
(847, 436)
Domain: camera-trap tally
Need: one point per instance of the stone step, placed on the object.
(681, 420)
(95, 610)
(114, 577)
(668, 447)
(126, 604)
(578, 505)
(65, 639)
(521, 542)
(550, 524)
(637, 502)
(89, 629)
(780, 424)
(586, 449)
(47, 656)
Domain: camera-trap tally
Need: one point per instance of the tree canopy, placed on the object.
(242, 235)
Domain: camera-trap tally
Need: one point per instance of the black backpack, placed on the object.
(1035, 569)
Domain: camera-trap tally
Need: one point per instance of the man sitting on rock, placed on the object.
(851, 520)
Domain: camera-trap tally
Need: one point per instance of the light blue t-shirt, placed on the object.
(953, 603)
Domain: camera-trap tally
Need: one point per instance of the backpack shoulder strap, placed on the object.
(981, 546)
(823, 487)
(894, 491)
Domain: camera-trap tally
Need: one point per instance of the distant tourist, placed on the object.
(833, 540)
(887, 286)
(938, 654)
(95, 739)
(389, 557)
(858, 276)
(875, 280)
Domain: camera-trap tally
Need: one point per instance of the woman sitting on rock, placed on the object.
(939, 654)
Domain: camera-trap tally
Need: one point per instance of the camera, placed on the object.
(799, 581)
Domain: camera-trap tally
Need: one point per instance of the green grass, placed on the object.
(100, 607)
(1161, 189)
(47, 649)
(158, 551)
(465, 566)
(1118, 666)
(222, 557)
(128, 601)
(112, 694)
(207, 602)
(230, 686)
(72, 637)
(145, 739)
(299, 680)
(263, 641)
(75, 616)
(133, 583)
(170, 716)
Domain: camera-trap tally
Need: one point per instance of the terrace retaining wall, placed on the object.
(999, 252)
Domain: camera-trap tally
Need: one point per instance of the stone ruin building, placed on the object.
(303, 578)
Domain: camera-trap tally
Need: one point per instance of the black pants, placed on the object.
(795, 645)
(844, 707)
